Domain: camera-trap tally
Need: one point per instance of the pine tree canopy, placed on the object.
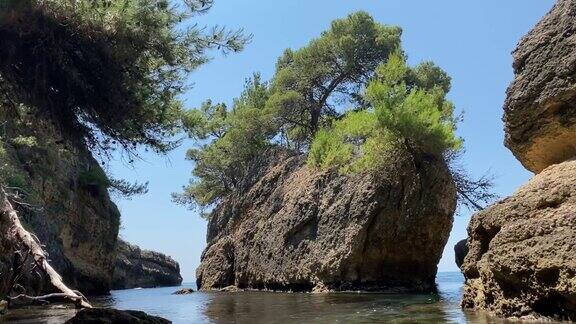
(347, 100)
(107, 72)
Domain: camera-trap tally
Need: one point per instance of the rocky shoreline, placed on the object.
(522, 250)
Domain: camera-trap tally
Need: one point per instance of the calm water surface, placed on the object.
(263, 307)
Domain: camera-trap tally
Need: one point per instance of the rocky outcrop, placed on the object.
(71, 211)
(145, 269)
(522, 258)
(104, 316)
(540, 110)
(460, 252)
(299, 228)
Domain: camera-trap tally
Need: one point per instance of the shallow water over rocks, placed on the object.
(267, 307)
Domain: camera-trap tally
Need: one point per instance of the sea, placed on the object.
(268, 307)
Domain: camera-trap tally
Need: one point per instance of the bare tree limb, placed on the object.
(35, 249)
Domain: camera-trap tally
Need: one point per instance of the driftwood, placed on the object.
(35, 250)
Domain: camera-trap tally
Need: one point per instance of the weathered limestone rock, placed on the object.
(299, 228)
(111, 316)
(522, 258)
(143, 268)
(72, 213)
(540, 109)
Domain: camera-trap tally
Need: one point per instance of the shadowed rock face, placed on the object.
(77, 221)
(522, 258)
(142, 268)
(460, 251)
(540, 109)
(299, 228)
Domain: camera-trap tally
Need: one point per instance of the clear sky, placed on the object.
(471, 40)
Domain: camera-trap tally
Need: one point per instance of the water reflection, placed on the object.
(254, 307)
(261, 307)
(257, 307)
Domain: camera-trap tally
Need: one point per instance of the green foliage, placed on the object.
(28, 141)
(97, 180)
(126, 189)
(94, 177)
(302, 98)
(310, 83)
(354, 143)
(358, 62)
(207, 121)
(417, 112)
(407, 107)
(10, 176)
(108, 72)
(230, 140)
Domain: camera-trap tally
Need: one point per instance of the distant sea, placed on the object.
(267, 307)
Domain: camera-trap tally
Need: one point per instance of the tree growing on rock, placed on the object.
(103, 74)
(106, 72)
(313, 82)
(357, 64)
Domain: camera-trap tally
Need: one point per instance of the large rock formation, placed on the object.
(522, 258)
(142, 268)
(540, 110)
(298, 228)
(522, 250)
(71, 211)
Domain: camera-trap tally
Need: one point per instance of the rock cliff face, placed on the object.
(540, 110)
(142, 268)
(302, 229)
(75, 217)
(522, 258)
(522, 250)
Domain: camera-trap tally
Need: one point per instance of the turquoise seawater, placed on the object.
(267, 307)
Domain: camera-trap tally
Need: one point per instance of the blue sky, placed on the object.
(472, 40)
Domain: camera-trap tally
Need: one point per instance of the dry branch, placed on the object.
(35, 249)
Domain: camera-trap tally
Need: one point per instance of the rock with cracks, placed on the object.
(142, 268)
(302, 229)
(71, 213)
(522, 258)
(540, 109)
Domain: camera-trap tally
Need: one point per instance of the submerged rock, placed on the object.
(540, 109)
(522, 258)
(185, 291)
(111, 316)
(142, 268)
(299, 228)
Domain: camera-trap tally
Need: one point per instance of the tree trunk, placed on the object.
(314, 119)
(27, 239)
